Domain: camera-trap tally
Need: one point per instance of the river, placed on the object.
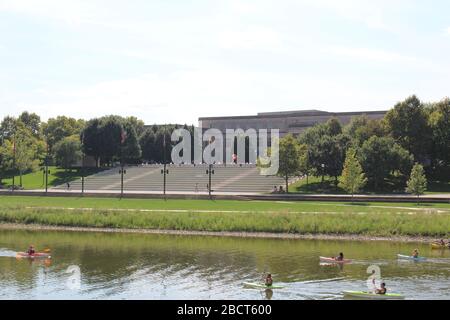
(143, 266)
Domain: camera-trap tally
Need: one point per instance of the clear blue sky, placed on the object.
(174, 61)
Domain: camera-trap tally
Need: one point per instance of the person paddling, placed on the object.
(382, 290)
(340, 257)
(31, 250)
(415, 253)
(269, 280)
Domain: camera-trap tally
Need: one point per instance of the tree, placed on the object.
(131, 150)
(32, 122)
(147, 142)
(334, 127)
(353, 178)
(8, 127)
(289, 155)
(439, 121)
(68, 152)
(138, 125)
(56, 129)
(407, 124)
(327, 154)
(380, 157)
(91, 139)
(28, 151)
(6, 158)
(361, 128)
(417, 183)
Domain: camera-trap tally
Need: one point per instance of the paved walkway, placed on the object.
(441, 198)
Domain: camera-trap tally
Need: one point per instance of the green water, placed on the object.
(137, 266)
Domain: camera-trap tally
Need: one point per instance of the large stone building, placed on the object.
(294, 122)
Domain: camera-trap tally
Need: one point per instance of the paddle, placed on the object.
(46, 250)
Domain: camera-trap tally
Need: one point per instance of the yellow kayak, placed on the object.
(438, 246)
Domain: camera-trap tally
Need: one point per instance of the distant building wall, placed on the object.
(87, 162)
(294, 122)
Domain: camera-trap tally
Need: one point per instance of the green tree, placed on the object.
(417, 183)
(439, 121)
(353, 178)
(334, 127)
(380, 157)
(147, 142)
(32, 122)
(327, 154)
(68, 152)
(28, 152)
(8, 127)
(407, 124)
(361, 128)
(6, 158)
(289, 155)
(131, 149)
(56, 129)
(91, 139)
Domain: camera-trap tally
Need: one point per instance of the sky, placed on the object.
(174, 61)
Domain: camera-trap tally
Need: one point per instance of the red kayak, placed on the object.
(333, 260)
(32, 256)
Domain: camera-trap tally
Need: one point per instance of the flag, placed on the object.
(123, 136)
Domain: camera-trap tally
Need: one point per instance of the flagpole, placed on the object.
(14, 161)
(46, 169)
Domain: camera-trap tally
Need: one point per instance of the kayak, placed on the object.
(369, 295)
(401, 256)
(332, 260)
(261, 285)
(439, 246)
(33, 256)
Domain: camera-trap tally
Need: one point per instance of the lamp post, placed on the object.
(209, 172)
(165, 171)
(46, 169)
(82, 174)
(122, 171)
(323, 172)
(14, 163)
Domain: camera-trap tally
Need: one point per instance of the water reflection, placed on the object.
(133, 266)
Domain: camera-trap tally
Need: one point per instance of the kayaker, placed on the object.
(382, 290)
(340, 257)
(31, 250)
(415, 253)
(269, 280)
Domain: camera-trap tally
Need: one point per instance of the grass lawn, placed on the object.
(216, 205)
(315, 186)
(57, 176)
(380, 219)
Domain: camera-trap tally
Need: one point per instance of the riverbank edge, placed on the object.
(291, 197)
(260, 235)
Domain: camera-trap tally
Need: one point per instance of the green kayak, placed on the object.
(261, 285)
(370, 295)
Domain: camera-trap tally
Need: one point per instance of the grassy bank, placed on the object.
(57, 176)
(232, 216)
(314, 185)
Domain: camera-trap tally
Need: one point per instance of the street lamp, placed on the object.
(323, 172)
(82, 174)
(122, 171)
(165, 171)
(209, 172)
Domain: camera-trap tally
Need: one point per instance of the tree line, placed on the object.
(411, 132)
(28, 143)
(384, 150)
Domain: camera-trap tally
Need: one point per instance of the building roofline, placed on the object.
(268, 115)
